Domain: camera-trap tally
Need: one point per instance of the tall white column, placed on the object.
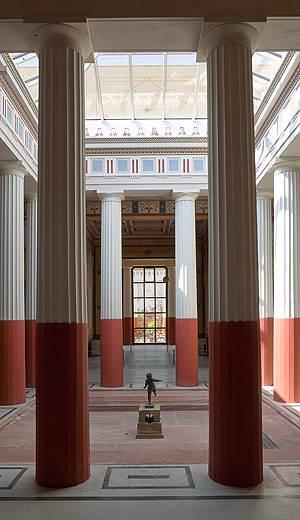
(127, 305)
(62, 341)
(286, 282)
(265, 278)
(30, 307)
(235, 445)
(186, 290)
(111, 337)
(12, 326)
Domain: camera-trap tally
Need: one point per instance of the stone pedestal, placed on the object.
(149, 425)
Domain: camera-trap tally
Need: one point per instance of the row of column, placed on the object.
(280, 335)
(17, 320)
(235, 442)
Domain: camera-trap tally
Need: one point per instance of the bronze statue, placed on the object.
(150, 382)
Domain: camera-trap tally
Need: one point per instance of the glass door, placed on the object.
(149, 304)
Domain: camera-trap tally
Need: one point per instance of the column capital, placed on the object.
(31, 197)
(60, 34)
(261, 195)
(287, 164)
(217, 35)
(114, 196)
(12, 168)
(188, 195)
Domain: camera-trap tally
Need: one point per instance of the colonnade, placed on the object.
(235, 443)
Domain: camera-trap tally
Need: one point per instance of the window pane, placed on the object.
(159, 274)
(198, 165)
(9, 114)
(150, 320)
(149, 305)
(160, 289)
(122, 165)
(138, 275)
(148, 165)
(161, 305)
(161, 320)
(138, 290)
(173, 165)
(138, 320)
(149, 275)
(97, 166)
(139, 336)
(138, 304)
(161, 335)
(150, 336)
(149, 289)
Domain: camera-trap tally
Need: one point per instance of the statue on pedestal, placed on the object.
(150, 382)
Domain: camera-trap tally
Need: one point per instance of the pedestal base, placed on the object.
(149, 425)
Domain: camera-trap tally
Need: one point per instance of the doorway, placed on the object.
(149, 295)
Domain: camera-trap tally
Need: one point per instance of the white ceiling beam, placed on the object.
(164, 89)
(131, 85)
(98, 88)
(197, 82)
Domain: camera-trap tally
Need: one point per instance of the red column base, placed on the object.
(127, 331)
(30, 353)
(12, 362)
(111, 353)
(287, 360)
(62, 405)
(187, 352)
(235, 420)
(171, 330)
(266, 344)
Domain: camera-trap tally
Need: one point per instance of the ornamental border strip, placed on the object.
(152, 139)
(18, 107)
(145, 151)
(273, 85)
(294, 79)
(8, 60)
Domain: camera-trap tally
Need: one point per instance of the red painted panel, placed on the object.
(30, 353)
(127, 330)
(266, 345)
(187, 352)
(235, 421)
(171, 330)
(12, 362)
(111, 353)
(63, 448)
(287, 360)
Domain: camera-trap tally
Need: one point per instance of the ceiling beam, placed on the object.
(197, 83)
(98, 88)
(131, 85)
(164, 85)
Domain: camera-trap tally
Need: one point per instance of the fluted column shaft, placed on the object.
(62, 345)
(286, 283)
(127, 305)
(235, 431)
(111, 338)
(171, 306)
(12, 326)
(265, 278)
(30, 307)
(186, 290)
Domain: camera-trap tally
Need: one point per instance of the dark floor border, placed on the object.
(109, 470)
(169, 498)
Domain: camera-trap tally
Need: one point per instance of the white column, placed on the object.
(12, 330)
(111, 338)
(186, 290)
(31, 273)
(265, 278)
(234, 379)
(286, 282)
(62, 341)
